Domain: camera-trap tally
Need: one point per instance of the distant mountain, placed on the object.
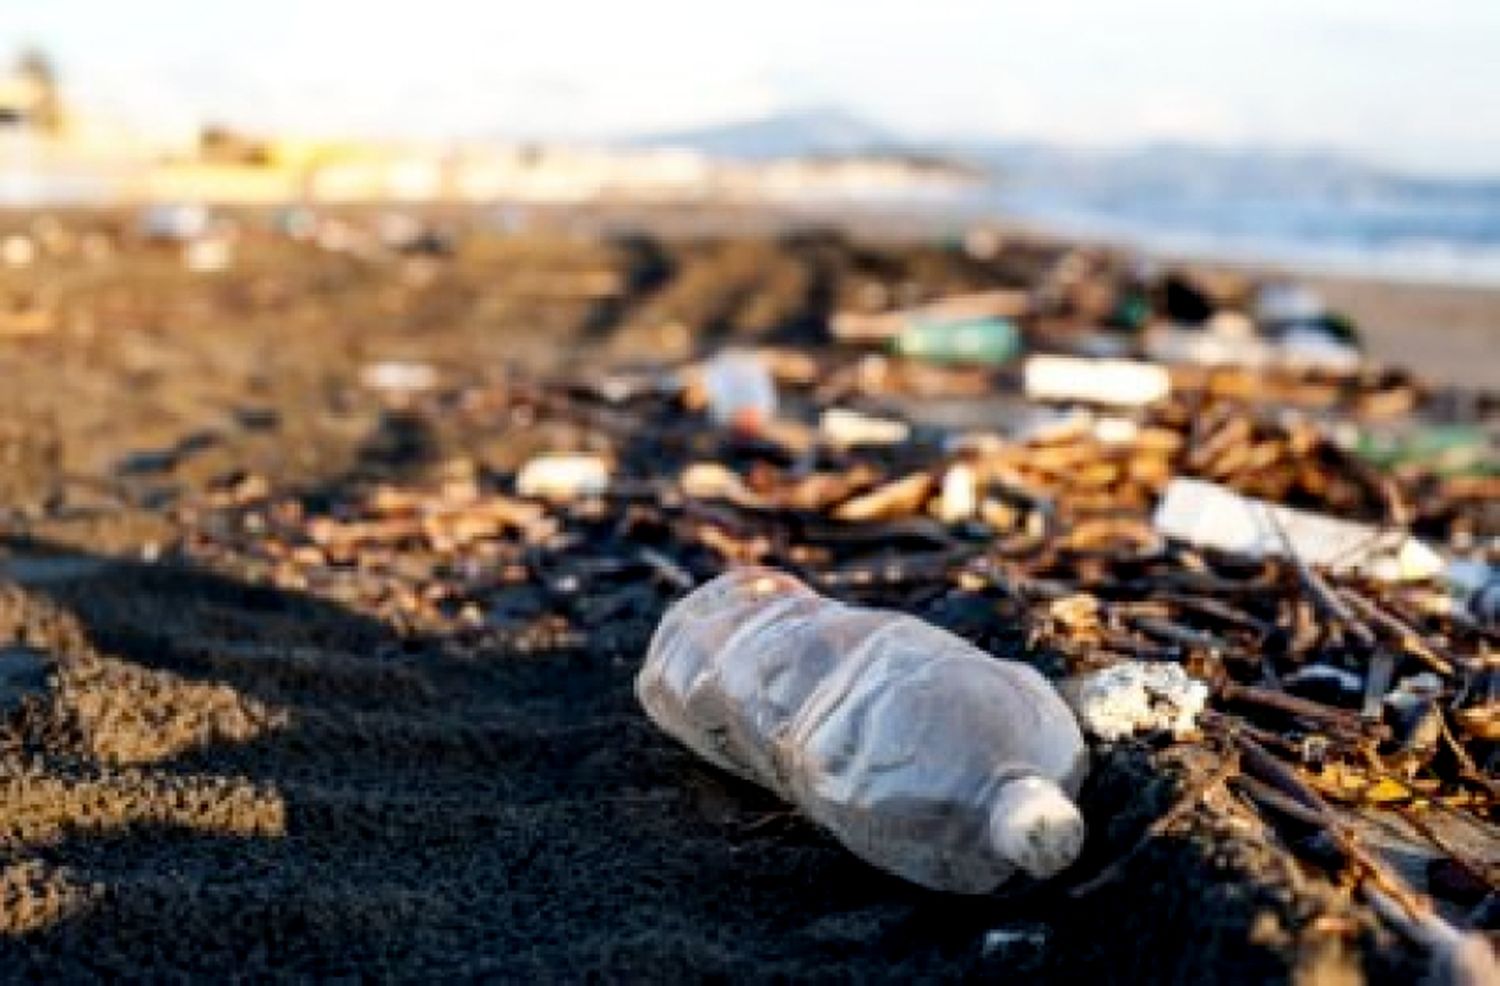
(822, 131)
(1177, 168)
(1145, 173)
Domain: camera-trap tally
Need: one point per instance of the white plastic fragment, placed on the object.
(1475, 588)
(208, 255)
(1134, 696)
(958, 498)
(18, 251)
(563, 477)
(741, 392)
(398, 376)
(1212, 516)
(843, 426)
(1287, 301)
(1099, 381)
(1116, 431)
(1311, 348)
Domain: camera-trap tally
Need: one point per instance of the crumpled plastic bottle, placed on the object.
(921, 753)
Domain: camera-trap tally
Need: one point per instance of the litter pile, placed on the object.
(1120, 520)
(332, 547)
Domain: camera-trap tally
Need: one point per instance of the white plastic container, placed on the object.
(919, 752)
(1212, 516)
(557, 476)
(1121, 382)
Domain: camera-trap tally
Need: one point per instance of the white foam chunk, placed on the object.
(1136, 696)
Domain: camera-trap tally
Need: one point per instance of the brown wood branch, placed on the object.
(1409, 640)
(1312, 808)
(1342, 720)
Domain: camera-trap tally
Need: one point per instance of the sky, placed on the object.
(1413, 85)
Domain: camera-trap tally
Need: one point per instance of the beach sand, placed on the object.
(222, 777)
(1445, 332)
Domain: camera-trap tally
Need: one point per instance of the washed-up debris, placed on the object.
(175, 222)
(943, 490)
(851, 326)
(1211, 516)
(739, 390)
(1135, 696)
(17, 250)
(398, 376)
(985, 341)
(1095, 381)
(872, 723)
(1446, 449)
(958, 499)
(1232, 339)
(208, 254)
(1475, 587)
(563, 477)
(850, 428)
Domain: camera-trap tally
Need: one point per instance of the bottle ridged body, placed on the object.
(894, 734)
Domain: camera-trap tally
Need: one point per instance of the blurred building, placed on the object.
(29, 97)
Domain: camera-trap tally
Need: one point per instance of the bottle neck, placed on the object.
(1034, 825)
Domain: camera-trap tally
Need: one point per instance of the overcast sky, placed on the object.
(1413, 83)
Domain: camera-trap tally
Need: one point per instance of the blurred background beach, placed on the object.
(1358, 141)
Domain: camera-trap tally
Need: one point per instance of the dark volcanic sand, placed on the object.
(222, 779)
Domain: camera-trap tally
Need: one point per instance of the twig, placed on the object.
(1411, 642)
(1303, 708)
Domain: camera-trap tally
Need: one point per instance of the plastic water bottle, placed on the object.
(964, 340)
(741, 391)
(919, 752)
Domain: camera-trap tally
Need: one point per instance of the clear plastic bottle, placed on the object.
(921, 753)
(741, 390)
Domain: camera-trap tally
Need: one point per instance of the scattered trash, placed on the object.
(873, 723)
(851, 428)
(1096, 381)
(1210, 516)
(959, 499)
(740, 391)
(208, 255)
(1231, 338)
(933, 489)
(886, 326)
(398, 376)
(1475, 587)
(978, 340)
(1287, 303)
(563, 477)
(1014, 942)
(1312, 348)
(175, 223)
(1134, 697)
(18, 251)
(1445, 449)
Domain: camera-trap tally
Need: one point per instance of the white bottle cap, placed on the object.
(1035, 826)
